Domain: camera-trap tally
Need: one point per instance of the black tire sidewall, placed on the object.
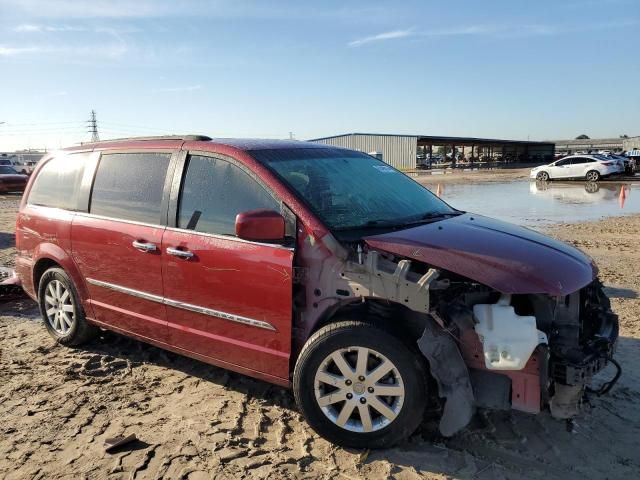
(595, 179)
(410, 367)
(78, 314)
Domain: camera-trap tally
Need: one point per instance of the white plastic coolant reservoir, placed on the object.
(508, 340)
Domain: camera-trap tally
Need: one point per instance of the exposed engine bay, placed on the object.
(485, 348)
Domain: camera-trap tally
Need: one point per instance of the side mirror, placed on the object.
(260, 226)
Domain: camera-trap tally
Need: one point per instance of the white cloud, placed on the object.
(6, 51)
(108, 50)
(411, 32)
(100, 43)
(59, 93)
(27, 28)
(511, 31)
(382, 37)
(31, 28)
(147, 9)
(188, 88)
(93, 8)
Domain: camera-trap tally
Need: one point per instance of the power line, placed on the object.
(93, 127)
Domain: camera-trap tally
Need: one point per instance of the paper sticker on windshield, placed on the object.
(384, 168)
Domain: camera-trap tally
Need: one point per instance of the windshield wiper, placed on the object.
(387, 223)
(432, 215)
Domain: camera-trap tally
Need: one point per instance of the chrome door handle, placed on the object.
(144, 246)
(179, 253)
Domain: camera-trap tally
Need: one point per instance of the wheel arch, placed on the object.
(49, 255)
(394, 317)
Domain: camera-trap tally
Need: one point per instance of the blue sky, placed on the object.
(507, 69)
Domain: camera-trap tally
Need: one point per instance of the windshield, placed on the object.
(351, 190)
(7, 170)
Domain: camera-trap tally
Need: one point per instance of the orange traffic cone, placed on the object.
(439, 191)
(622, 197)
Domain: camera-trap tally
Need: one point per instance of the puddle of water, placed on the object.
(531, 203)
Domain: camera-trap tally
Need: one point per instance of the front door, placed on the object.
(227, 299)
(562, 168)
(117, 245)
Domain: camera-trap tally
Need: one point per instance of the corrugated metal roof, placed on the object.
(437, 138)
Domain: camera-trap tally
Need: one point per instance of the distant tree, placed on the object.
(624, 136)
(582, 137)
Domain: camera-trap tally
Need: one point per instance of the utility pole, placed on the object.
(92, 127)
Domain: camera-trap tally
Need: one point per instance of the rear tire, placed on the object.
(542, 176)
(62, 310)
(350, 401)
(592, 176)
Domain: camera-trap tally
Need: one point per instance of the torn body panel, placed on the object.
(452, 376)
(331, 277)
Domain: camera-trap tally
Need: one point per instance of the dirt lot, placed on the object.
(57, 406)
(450, 176)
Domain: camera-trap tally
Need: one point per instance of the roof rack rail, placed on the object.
(191, 138)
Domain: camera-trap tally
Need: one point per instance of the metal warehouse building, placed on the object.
(409, 151)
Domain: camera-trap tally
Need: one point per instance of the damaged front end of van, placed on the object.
(526, 313)
(506, 318)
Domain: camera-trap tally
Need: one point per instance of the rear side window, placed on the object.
(214, 191)
(58, 182)
(129, 186)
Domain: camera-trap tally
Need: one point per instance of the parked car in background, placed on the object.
(16, 164)
(588, 167)
(30, 166)
(620, 159)
(317, 268)
(11, 181)
(632, 162)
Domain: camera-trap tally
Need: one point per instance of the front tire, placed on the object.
(592, 176)
(542, 176)
(359, 386)
(61, 309)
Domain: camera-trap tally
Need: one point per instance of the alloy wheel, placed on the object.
(359, 389)
(59, 307)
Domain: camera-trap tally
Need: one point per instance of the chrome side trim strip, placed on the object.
(129, 291)
(185, 306)
(218, 314)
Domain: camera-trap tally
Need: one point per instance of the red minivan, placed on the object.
(316, 267)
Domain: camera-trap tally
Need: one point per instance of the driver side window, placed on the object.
(214, 191)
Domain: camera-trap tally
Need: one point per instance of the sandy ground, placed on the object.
(57, 406)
